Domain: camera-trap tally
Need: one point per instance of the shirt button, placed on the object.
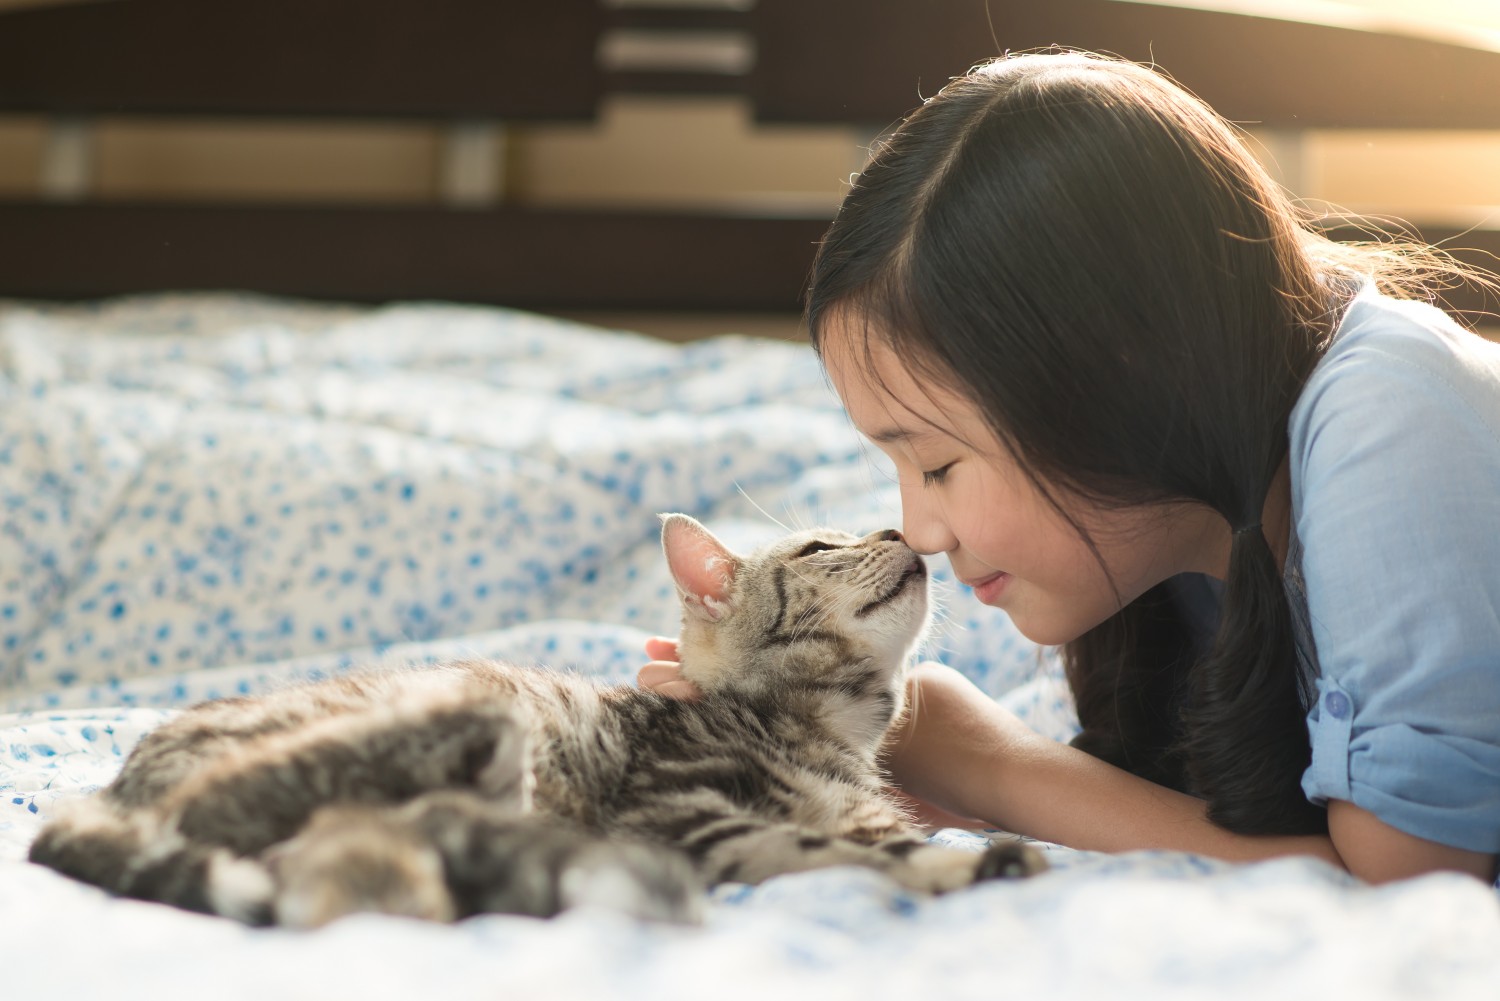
(1337, 704)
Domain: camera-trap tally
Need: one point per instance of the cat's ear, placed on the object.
(702, 566)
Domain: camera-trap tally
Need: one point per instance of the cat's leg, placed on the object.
(354, 858)
(875, 821)
(541, 865)
(387, 754)
(197, 852)
(731, 852)
(180, 746)
(136, 854)
(452, 854)
(733, 846)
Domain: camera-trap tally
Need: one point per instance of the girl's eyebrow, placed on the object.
(888, 435)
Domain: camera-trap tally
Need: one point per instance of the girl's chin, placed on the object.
(1043, 629)
(1045, 637)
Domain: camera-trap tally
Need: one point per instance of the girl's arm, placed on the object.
(1377, 852)
(960, 755)
(964, 753)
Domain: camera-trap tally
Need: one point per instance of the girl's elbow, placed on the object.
(1376, 852)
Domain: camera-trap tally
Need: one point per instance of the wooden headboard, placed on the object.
(463, 62)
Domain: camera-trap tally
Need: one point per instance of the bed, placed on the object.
(206, 493)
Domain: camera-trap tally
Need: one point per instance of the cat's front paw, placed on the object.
(936, 869)
(1009, 860)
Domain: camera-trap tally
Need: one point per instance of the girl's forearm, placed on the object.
(1057, 793)
(971, 756)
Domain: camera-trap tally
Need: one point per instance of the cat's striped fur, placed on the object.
(479, 786)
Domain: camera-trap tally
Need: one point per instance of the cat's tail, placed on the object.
(139, 855)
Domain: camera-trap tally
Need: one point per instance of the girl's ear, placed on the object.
(701, 565)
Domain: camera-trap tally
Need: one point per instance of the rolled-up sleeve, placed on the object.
(1397, 439)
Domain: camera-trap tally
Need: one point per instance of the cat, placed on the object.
(478, 786)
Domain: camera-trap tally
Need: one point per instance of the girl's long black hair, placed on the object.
(1093, 257)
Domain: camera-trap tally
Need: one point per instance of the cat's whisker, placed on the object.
(753, 503)
(827, 605)
(846, 600)
(802, 522)
(942, 623)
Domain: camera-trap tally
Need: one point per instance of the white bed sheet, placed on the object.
(206, 495)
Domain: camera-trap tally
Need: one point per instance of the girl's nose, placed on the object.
(921, 529)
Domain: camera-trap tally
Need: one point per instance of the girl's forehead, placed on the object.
(886, 396)
(866, 373)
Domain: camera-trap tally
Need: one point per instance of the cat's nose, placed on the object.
(890, 535)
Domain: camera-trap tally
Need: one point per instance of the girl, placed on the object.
(1158, 420)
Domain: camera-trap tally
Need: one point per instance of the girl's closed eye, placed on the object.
(934, 477)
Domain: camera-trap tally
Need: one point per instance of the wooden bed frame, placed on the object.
(465, 61)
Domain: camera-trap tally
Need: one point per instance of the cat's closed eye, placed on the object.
(814, 547)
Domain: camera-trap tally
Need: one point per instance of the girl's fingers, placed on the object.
(661, 648)
(658, 672)
(685, 690)
(664, 678)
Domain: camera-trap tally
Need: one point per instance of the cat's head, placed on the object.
(820, 606)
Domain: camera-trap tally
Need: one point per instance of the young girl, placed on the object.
(1152, 416)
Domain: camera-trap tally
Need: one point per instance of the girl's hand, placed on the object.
(663, 674)
(929, 817)
(946, 754)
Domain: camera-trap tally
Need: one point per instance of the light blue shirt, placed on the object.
(1393, 572)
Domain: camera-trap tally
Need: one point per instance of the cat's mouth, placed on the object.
(915, 571)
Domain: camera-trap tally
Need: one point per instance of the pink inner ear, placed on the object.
(701, 565)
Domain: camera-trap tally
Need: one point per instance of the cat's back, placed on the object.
(646, 755)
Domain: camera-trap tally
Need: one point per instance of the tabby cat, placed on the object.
(478, 786)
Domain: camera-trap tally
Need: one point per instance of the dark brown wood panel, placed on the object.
(388, 58)
(554, 259)
(871, 61)
(678, 18)
(863, 61)
(517, 257)
(674, 83)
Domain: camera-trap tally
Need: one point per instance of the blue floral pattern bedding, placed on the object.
(209, 495)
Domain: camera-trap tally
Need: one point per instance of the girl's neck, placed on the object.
(1276, 516)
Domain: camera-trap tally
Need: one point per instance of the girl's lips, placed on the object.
(987, 589)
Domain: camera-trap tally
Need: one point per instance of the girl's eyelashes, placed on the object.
(933, 477)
